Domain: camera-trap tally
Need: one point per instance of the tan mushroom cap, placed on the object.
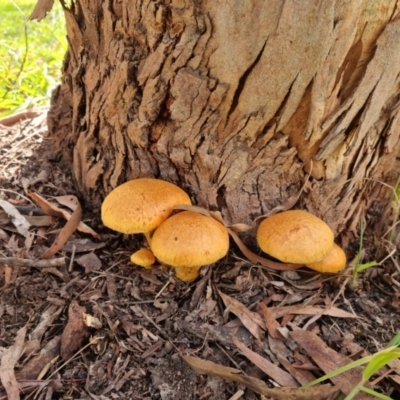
(189, 240)
(296, 237)
(140, 205)
(143, 257)
(333, 262)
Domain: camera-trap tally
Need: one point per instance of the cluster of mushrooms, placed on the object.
(189, 240)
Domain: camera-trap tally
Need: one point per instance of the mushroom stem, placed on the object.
(148, 237)
(187, 274)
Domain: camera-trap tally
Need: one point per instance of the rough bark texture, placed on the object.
(232, 100)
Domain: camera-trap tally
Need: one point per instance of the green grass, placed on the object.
(373, 363)
(31, 55)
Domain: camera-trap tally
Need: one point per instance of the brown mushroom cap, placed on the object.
(143, 257)
(296, 237)
(333, 262)
(189, 240)
(140, 205)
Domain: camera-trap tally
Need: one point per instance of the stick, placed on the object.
(20, 262)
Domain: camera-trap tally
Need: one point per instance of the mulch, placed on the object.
(84, 323)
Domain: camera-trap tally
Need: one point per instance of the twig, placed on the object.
(232, 360)
(72, 258)
(21, 262)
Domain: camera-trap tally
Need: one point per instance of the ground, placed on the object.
(87, 324)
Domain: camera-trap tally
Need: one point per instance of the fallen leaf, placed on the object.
(9, 358)
(55, 211)
(239, 228)
(333, 311)
(69, 201)
(322, 392)
(65, 233)
(301, 375)
(277, 374)
(250, 320)
(271, 323)
(90, 262)
(39, 220)
(215, 333)
(328, 360)
(18, 220)
(75, 332)
(41, 9)
(83, 245)
(261, 260)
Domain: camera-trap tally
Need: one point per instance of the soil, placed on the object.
(85, 323)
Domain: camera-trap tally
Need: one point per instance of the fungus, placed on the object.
(143, 257)
(140, 205)
(333, 262)
(187, 241)
(296, 237)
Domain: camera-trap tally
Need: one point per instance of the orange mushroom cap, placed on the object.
(296, 237)
(333, 262)
(187, 241)
(143, 257)
(140, 205)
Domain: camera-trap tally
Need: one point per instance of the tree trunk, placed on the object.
(235, 101)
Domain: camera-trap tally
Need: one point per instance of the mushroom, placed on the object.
(296, 237)
(143, 257)
(189, 240)
(333, 262)
(140, 205)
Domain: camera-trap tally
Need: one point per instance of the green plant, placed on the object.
(358, 267)
(31, 55)
(374, 363)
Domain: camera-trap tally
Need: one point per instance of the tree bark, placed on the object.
(235, 101)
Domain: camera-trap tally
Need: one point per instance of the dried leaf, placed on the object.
(55, 211)
(261, 260)
(75, 332)
(9, 358)
(41, 9)
(186, 207)
(321, 392)
(18, 220)
(90, 262)
(277, 374)
(240, 227)
(278, 312)
(215, 333)
(271, 323)
(328, 360)
(250, 320)
(83, 245)
(301, 375)
(39, 220)
(65, 233)
(68, 201)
